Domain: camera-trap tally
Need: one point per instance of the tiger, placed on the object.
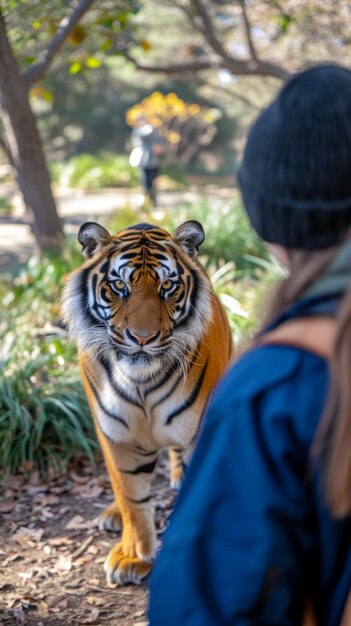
(152, 341)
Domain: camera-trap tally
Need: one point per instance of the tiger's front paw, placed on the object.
(123, 569)
(110, 519)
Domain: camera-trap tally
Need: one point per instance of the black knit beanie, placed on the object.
(296, 172)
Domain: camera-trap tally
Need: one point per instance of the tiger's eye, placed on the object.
(167, 284)
(119, 284)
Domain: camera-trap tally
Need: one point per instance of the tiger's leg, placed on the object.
(176, 467)
(130, 561)
(111, 518)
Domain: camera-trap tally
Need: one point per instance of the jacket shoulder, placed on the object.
(266, 367)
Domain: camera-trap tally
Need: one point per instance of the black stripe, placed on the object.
(147, 468)
(115, 386)
(169, 393)
(158, 384)
(128, 255)
(161, 382)
(191, 399)
(101, 405)
(83, 288)
(141, 501)
(143, 452)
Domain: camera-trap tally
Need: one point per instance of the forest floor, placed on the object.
(52, 553)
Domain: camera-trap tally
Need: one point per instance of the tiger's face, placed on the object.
(141, 293)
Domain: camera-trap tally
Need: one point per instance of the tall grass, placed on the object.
(44, 416)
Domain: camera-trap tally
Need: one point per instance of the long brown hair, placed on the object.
(332, 441)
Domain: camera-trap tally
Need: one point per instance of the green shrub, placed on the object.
(89, 172)
(44, 417)
(5, 206)
(228, 234)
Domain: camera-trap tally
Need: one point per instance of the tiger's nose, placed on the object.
(140, 337)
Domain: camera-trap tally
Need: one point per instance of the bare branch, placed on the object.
(253, 66)
(237, 67)
(247, 25)
(37, 71)
(176, 68)
(208, 30)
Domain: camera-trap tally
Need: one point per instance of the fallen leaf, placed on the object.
(26, 535)
(10, 559)
(26, 575)
(60, 541)
(140, 613)
(63, 563)
(43, 609)
(77, 478)
(25, 466)
(7, 507)
(33, 490)
(59, 490)
(74, 584)
(64, 510)
(47, 500)
(92, 617)
(78, 523)
(34, 478)
(95, 601)
(92, 489)
(53, 601)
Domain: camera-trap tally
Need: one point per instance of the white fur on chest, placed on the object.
(144, 409)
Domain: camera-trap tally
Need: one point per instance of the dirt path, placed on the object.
(76, 207)
(52, 554)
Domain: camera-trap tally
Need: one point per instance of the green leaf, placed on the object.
(106, 45)
(92, 62)
(75, 68)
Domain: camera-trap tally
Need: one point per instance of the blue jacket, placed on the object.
(251, 535)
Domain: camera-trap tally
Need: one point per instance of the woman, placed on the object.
(262, 525)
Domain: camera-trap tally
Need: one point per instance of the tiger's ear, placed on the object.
(189, 236)
(93, 238)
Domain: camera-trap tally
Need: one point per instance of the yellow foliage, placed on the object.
(194, 109)
(38, 91)
(169, 114)
(173, 137)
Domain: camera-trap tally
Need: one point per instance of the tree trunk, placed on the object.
(26, 150)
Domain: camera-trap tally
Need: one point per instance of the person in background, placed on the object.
(262, 526)
(148, 148)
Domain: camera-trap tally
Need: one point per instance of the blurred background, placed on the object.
(74, 78)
